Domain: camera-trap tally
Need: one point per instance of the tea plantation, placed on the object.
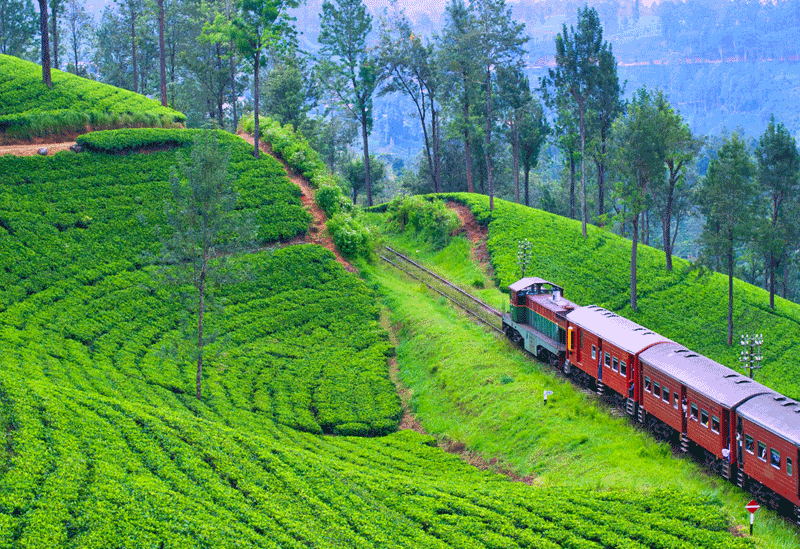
(688, 305)
(105, 445)
(30, 109)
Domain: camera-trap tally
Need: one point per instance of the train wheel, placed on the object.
(566, 368)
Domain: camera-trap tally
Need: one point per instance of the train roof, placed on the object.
(701, 374)
(774, 412)
(527, 282)
(615, 329)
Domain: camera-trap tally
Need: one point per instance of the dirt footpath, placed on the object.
(30, 149)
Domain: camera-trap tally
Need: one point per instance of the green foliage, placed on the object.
(129, 140)
(350, 235)
(430, 219)
(72, 105)
(294, 149)
(687, 305)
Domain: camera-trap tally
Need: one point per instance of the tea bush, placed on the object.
(72, 105)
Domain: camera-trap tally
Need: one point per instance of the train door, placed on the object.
(685, 414)
(579, 345)
(739, 442)
(599, 360)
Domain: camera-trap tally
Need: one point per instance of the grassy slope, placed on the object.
(30, 109)
(472, 386)
(105, 446)
(688, 305)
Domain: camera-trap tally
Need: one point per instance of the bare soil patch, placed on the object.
(476, 234)
(316, 232)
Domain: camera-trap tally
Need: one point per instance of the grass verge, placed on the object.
(472, 386)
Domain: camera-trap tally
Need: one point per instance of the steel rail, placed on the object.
(448, 285)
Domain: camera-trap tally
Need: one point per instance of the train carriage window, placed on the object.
(675, 400)
(715, 424)
(608, 360)
(693, 412)
(789, 470)
(656, 390)
(594, 351)
(615, 364)
(775, 458)
(665, 395)
(623, 368)
(762, 451)
(748, 443)
(704, 417)
(647, 384)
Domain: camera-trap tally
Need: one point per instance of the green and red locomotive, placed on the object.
(744, 430)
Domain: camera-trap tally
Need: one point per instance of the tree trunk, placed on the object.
(527, 200)
(785, 276)
(487, 154)
(221, 90)
(467, 154)
(772, 264)
(601, 179)
(634, 249)
(46, 78)
(583, 169)
(436, 153)
(233, 91)
(515, 161)
(730, 293)
(162, 53)
(364, 136)
(571, 184)
(133, 49)
(54, 30)
(201, 309)
(257, 65)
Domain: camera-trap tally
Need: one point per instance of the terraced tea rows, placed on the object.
(31, 109)
(104, 444)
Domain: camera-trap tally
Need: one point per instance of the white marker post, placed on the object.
(752, 507)
(545, 396)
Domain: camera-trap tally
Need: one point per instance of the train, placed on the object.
(745, 431)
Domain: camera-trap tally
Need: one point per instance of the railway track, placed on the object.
(479, 310)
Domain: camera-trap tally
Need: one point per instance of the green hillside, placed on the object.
(105, 444)
(688, 305)
(73, 105)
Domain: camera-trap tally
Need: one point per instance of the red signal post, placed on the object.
(752, 507)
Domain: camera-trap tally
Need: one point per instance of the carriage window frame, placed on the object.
(715, 422)
(608, 360)
(657, 390)
(623, 368)
(594, 351)
(704, 417)
(789, 466)
(749, 444)
(648, 385)
(665, 394)
(676, 400)
(762, 451)
(615, 364)
(693, 412)
(774, 457)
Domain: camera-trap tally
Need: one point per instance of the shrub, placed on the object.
(350, 235)
(431, 220)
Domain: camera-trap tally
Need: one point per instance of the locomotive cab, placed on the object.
(537, 319)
